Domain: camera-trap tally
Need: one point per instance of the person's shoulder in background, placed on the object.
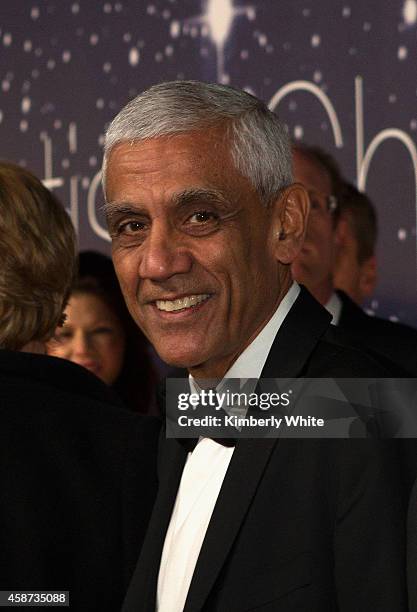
(396, 341)
(78, 475)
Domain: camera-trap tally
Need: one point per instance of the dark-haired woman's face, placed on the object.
(92, 336)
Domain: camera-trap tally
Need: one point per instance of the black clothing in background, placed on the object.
(394, 341)
(77, 482)
(412, 550)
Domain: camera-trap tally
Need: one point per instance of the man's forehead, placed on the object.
(308, 170)
(212, 141)
(174, 169)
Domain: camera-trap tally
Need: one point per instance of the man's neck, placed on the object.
(323, 291)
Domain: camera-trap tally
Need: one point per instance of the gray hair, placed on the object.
(260, 144)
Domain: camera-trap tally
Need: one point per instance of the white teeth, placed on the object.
(180, 304)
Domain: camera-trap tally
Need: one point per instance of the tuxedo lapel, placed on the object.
(141, 595)
(245, 471)
(306, 322)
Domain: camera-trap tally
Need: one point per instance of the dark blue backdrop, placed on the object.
(342, 74)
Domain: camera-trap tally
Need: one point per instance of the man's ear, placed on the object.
(290, 214)
(368, 277)
(343, 234)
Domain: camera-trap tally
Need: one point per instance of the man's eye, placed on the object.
(202, 216)
(131, 227)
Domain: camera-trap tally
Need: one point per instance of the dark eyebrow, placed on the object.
(113, 209)
(199, 195)
(181, 199)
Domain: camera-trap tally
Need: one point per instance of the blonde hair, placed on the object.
(37, 255)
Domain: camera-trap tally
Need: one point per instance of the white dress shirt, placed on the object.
(203, 477)
(334, 306)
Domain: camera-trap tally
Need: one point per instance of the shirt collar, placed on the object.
(334, 307)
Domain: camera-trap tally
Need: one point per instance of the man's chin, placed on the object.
(180, 358)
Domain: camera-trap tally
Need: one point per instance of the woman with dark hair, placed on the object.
(100, 335)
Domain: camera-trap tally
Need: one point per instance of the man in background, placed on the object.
(314, 266)
(355, 270)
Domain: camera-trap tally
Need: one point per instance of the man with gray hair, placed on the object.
(205, 222)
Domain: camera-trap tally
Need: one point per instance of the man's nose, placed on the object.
(164, 254)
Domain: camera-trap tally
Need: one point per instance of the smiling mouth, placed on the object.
(189, 301)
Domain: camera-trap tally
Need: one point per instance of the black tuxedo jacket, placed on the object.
(77, 482)
(412, 550)
(394, 341)
(299, 525)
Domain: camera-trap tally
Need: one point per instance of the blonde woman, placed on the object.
(75, 467)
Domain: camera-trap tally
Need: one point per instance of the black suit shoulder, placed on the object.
(337, 354)
(78, 482)
(395, 341)
(308, 346)
(21, 373)
(412, 550)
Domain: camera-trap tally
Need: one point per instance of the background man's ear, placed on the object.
(290, 215)
(368, 277)
(343, 234)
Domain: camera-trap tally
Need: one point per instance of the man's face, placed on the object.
(314, 265)
(354, 277)
(192, 247)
